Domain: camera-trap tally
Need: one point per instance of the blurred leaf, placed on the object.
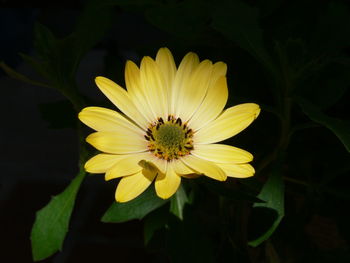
(59, 114)
(333, 28)
(178, 202)
(59, 58)
(230, 193)
(273, 195)
(340, 128)
(137, 208)
(324, 87)
(14, 74)
(93, 24)
(193, 17)
(153, 222)
(39, 66)
(239, 22)
(51, 222)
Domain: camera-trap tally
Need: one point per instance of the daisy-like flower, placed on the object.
(171, 121)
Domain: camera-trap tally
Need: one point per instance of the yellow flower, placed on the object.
(172, 120)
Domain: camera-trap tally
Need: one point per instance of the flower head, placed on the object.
(171, 121)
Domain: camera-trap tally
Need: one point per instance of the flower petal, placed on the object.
(137, 91)
(212, 105)
(126, 166)
(131, 186)
(153, 81)
(120, 98)
(180, 168)
(191, 96)
(182, 78)
(221, 153)
(102, 119)
(167, 66)
(100, 163)
(229, 123)
(205, 167)
(117, 142)
(237, 170)
(168, 183)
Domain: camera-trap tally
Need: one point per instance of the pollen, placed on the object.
(169, 139)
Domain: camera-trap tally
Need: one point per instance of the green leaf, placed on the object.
(273, 195)
(339, 127)
(178, 201)
(137, 208)
(14, 74)
(51, 222)
(239, 23)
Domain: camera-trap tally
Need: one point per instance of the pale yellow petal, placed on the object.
(181, 168)
(117, 143)
(126, 166)
(221, 153)
(237, 170)
(213, 104)
(219, 70)
(102, 119)
(132, 186)
(167, 66)
(153, 82)
(167, 184)
(137, 91)
(191, 96)
(182, 78)
(229, 123)
(205, 167)
(121, 99)
(100, 163)
(159, 163)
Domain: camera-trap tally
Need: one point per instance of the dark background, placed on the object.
(40, 146)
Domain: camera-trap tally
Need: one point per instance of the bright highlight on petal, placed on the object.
(170, 122)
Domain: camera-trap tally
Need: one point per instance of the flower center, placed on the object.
(169, 139)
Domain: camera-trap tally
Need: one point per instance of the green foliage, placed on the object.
(13, 74)
(239, 23)
(155, 221)
(178, 202)
(273, 194)
(137, 208)
(340, 128)
(52, 221)
(308, 63)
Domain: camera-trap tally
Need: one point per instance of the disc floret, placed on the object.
(169, 139)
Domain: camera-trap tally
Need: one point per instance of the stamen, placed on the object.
(169, 139)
